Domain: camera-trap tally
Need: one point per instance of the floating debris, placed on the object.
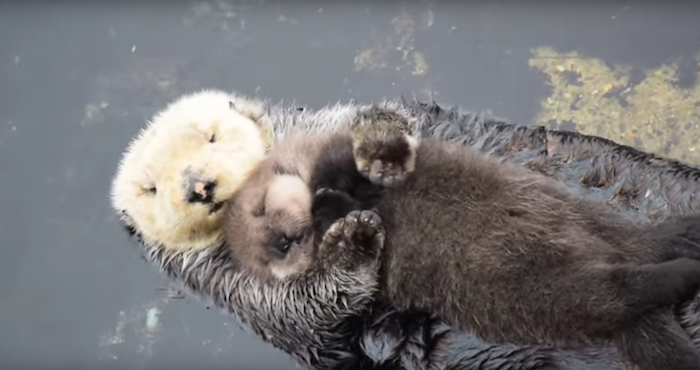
(172, 292)
(5, 132)
(396, 48)
(137, 330)
(420, 66)
(94, 113)
(366, 60)
(152, 320)
(293, 22)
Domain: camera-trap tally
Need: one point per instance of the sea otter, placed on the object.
(183, 238)
(491, 247)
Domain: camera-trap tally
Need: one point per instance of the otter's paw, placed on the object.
(385, 153)
(357, 237)
(363, 227)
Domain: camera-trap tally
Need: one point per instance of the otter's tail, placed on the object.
(677, 237)
(653, 286)
(657, 342)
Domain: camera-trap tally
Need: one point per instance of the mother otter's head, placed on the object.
(176, 174)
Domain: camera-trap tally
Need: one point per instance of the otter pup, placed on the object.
(491, 247)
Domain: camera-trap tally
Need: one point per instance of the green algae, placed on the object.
(654, 114)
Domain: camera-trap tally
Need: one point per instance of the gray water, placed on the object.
(78, 79)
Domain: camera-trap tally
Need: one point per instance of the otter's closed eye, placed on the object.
(148, 189)
(212, 138)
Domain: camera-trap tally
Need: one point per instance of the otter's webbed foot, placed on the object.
(383, 146)
(353, 241)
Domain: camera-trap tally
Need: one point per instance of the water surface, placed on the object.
(78, 79)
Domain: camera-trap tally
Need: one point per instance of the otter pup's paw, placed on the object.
(365, 228)
(353, 241)
(383, 146)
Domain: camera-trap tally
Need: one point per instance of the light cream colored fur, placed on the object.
(176, 142)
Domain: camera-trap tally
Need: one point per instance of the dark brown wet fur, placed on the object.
(512, 257)
(507, 254)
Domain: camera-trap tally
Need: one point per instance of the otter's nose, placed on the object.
(200, 191)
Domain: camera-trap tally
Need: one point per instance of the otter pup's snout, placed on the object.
(200, 191)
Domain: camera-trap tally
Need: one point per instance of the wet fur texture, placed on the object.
(509, 256)
(493, 248)
(293, 314)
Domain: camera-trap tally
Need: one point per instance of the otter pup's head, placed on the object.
(384, 145)
(269, 227)
(175, 175)
(273, 223)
